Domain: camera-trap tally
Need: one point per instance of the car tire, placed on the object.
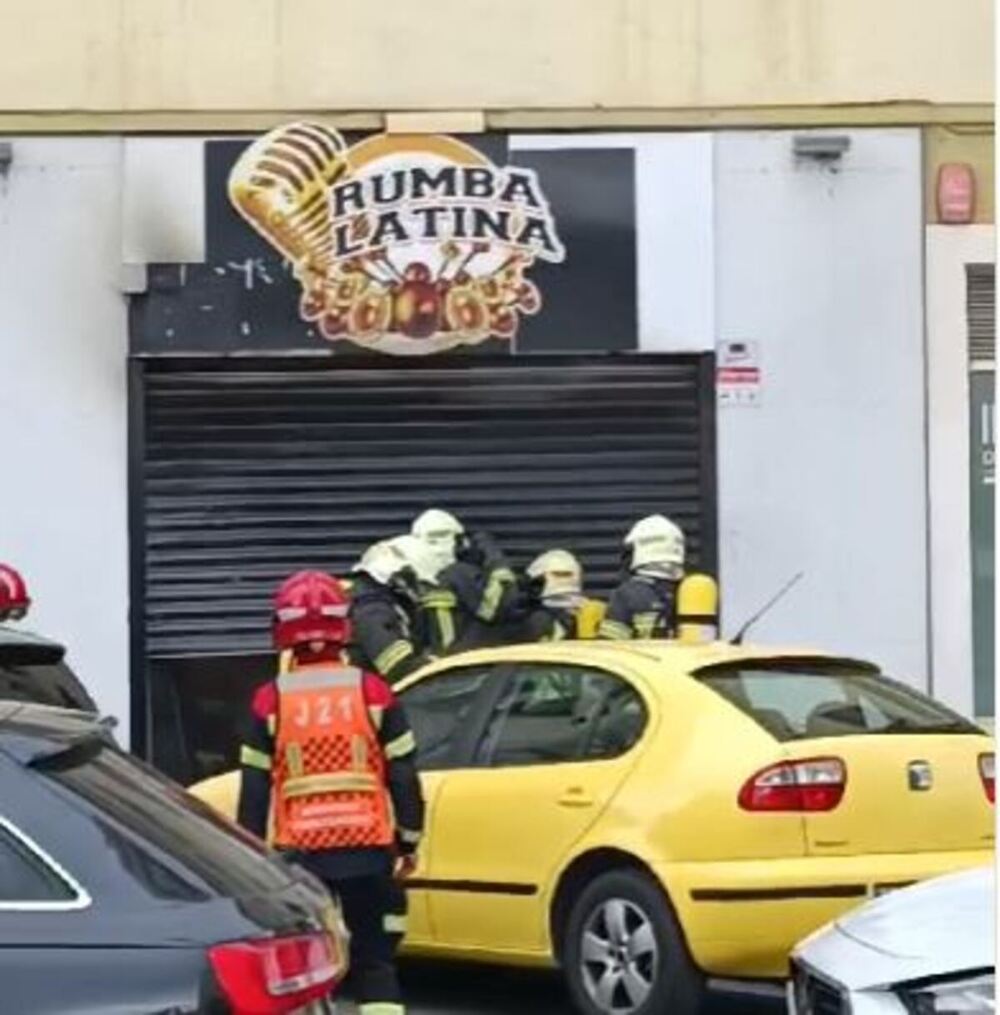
(623, 952)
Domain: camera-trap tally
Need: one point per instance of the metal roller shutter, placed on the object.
(243, 471)
(981, 303)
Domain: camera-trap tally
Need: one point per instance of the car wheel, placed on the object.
(623, 953)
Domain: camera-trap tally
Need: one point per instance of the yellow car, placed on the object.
(649, 815)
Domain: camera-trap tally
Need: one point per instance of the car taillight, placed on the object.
(277, 975)
(814, 784)
(987, 766)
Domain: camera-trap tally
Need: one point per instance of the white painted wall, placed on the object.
(63, 343)
(828, 474)
(674, 208)
(949, 249)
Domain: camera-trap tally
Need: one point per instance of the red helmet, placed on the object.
(311, 606)
(14, 598)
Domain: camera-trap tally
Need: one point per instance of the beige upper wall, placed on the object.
(251, 55)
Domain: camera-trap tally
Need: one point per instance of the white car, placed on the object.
(924, 950)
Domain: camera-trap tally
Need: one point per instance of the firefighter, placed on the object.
(388, 584)
(14, 598)
(329, 751)
(556, 587)
(477, 597)
(644, 605)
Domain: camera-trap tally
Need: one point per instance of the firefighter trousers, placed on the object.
(374, 909)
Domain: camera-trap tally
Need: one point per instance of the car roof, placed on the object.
(676, 655)
(18, 638)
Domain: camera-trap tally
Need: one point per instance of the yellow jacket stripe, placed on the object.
(381, 1008)
(408, 836)
(393, 656)
(401, 746)
(498, 580)
(394, 923)
(615, 630)
(252, 758)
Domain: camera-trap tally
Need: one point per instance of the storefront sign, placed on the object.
(403, 244)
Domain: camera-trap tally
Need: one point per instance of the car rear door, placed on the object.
(552, 750)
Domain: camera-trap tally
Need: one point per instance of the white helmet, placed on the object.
(657, 548)
(563, 578)
(381, 561)
(441, 532)
(418, 555)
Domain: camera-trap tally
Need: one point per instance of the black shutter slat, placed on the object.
(251, 470)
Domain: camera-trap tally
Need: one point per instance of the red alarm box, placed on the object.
(956, 193)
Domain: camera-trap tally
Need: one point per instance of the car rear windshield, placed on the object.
(43, 682)
(137, 802)
(801, 701)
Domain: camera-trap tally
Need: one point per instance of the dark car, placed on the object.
(121, 893)
(34, 669)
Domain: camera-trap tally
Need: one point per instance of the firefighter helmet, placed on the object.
(655, 546)
(14, 598)
(442, 532)
(561, 576)
(401, 564)
(419, 556)
(311, 606)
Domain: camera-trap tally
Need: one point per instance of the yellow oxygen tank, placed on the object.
(698, 609)
(589, 617)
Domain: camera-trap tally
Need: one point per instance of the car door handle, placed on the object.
(576, 796)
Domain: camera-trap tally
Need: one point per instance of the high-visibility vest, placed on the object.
(329, 769)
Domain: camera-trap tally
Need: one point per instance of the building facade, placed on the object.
(724, 291)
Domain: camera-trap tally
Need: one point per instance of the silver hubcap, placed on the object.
(619, 957)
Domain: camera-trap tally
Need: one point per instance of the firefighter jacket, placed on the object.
(545, 623)
(641, 607)
(471, 607)
(387, 637)
(330, 750)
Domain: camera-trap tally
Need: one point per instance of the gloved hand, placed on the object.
(483, 551)
(406, 865)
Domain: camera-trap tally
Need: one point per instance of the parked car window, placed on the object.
(45, 684)
(828, 700)
(438, 708)
(553, 713)
(25, 877)
(143, 806)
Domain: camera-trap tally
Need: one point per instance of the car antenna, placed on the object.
(785, 589)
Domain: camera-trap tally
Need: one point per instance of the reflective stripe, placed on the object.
(293, 759)
(253, 758)
(446, 627)
(331, 782)
(493, 593)
(314, 680)
(440, 599)
(377, 714)
(272, 723)
(409, 837)
(394, 923)
(381, 1008)
(387, 660)
(401, 746)
(614, 630)
(645, 624)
